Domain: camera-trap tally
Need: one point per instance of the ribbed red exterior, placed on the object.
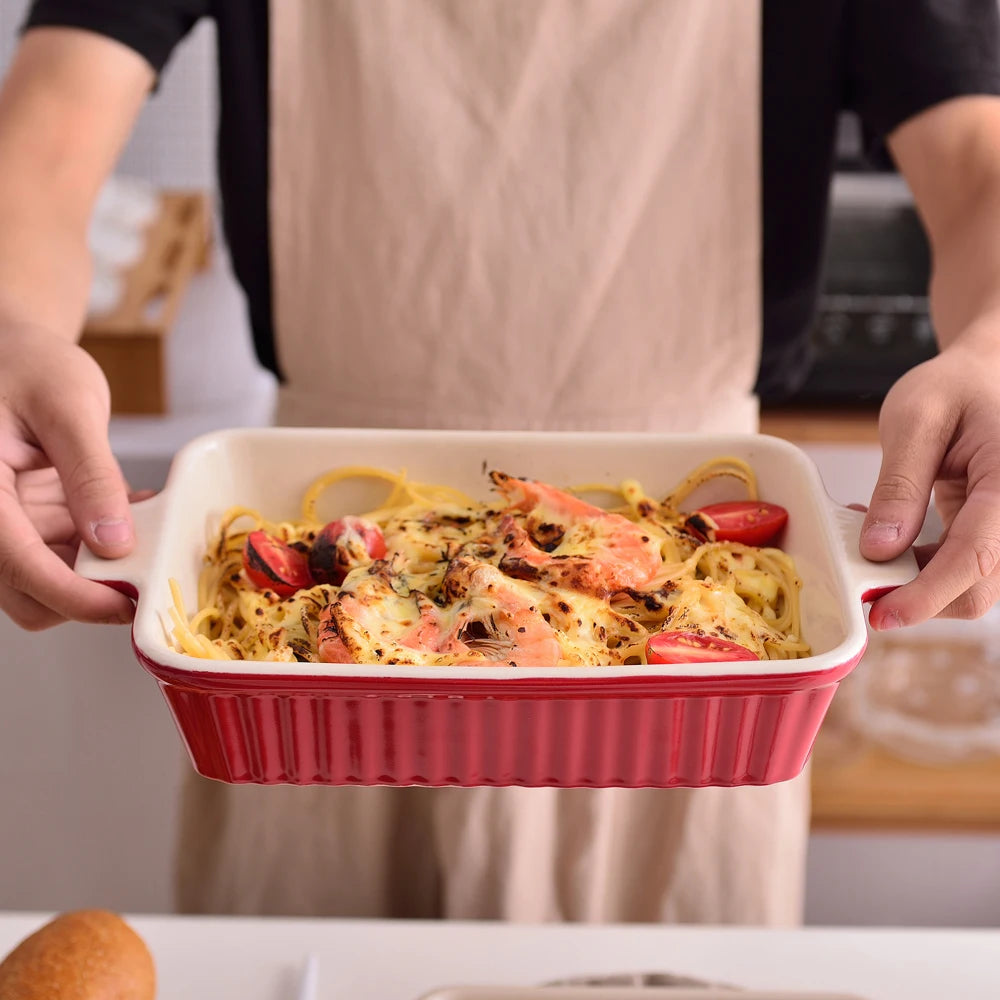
(629, 732)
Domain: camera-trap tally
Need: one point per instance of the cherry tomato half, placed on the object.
(342, 545)
(751, 522)
(688, 647)
(272, 565)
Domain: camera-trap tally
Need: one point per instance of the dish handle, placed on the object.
(129, 573)
(871, 580)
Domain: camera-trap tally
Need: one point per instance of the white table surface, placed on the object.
(262, 959)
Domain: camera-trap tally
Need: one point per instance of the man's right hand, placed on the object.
(66, 108)
(59, 482)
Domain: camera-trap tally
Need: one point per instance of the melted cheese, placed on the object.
(541, 578)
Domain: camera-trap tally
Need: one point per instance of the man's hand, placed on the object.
(54, 409)
(940, 430)
(940, 424)
(66, 108)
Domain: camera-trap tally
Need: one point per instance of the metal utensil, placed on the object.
(310, 979)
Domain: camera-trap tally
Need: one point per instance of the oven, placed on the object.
(872, 323)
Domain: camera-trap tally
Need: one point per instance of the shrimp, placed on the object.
(372, 622)
(497, 618)
(567, 542)
(492, 621)
(332, 649)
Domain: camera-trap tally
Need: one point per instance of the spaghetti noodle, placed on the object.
(539, 577)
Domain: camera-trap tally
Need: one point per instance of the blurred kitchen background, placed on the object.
(907, 773)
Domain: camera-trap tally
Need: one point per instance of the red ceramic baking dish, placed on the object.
(627, 726)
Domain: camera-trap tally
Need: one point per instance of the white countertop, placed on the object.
(262, 959)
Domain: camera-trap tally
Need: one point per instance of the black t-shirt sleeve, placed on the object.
(151, 27)
(904, 56)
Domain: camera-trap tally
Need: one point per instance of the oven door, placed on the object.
(873, 321)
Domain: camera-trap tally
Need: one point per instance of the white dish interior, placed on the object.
(269, 470)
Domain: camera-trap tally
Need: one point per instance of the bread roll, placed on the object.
(83, 955)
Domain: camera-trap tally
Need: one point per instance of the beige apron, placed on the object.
(516, 214)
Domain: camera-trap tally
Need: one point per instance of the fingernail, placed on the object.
(890, 620)
(882, 533)
(112, 531)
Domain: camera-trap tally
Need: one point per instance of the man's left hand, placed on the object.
(940, 431)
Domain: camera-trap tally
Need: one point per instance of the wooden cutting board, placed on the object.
(895, 776)
(826, 425)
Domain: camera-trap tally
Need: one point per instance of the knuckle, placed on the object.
(92, 479)
(59, 407)
(976, 602)
(896, 487)
(914, 399)
(987, 551)
(14, 571)
(37, 621)
(917, 410)
(30, 616)
(980, 602)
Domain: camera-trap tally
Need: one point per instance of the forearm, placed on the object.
(965, 284)
(44, 207)
(44, 271)
(950, 156)
(65, 110)
(939, 426)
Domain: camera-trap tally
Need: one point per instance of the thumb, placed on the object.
(96, 493)
(911, 458)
